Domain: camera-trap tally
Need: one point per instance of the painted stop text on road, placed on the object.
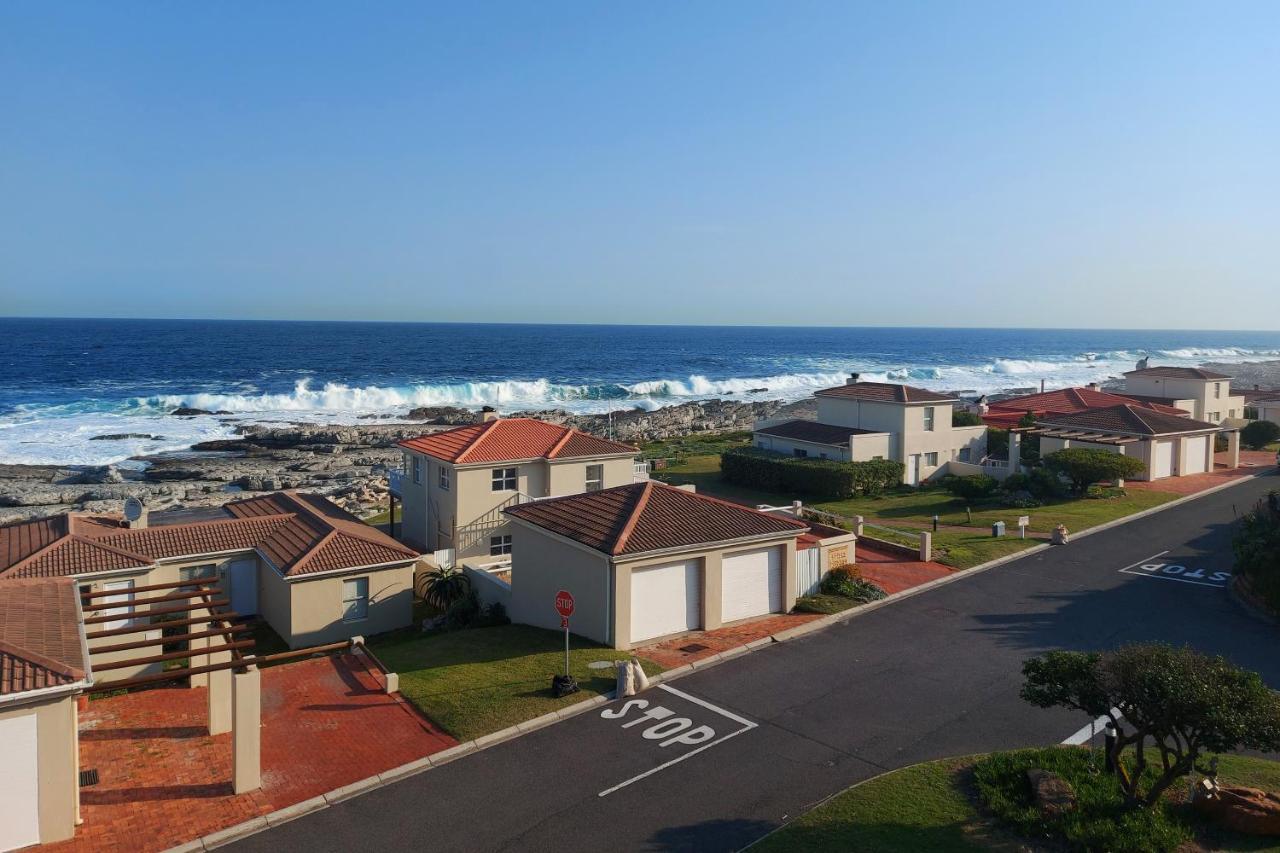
(1163, 567)
(657, 726)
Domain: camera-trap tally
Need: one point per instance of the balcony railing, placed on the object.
(640, 471)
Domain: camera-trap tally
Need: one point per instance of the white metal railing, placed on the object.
(640, 471)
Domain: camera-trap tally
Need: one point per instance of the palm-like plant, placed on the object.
(443, 586)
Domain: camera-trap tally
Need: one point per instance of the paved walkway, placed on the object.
(165, 781)
(892, 573)
(1250, 462)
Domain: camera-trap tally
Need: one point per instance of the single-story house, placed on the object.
(1268, 409)
(312, 571)
(1168, 445)
(44, 666)
(648, 560)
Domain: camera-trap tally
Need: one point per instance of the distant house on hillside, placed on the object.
(1203, 394)
(457, 482)
(859, 421)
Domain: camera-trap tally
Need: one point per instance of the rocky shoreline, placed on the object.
(347, 463)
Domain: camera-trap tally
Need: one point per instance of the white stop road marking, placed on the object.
(670, 730)
(1170, 570)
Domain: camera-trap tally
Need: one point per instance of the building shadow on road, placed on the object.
(710, 835)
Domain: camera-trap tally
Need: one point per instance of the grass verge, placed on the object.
(473, 682)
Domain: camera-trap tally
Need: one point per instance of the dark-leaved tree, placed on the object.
(1183, 703)
(1084, 466)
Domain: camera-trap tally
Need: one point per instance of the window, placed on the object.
(931, 460)
(417, 469)
(499, 545)
(444, 479)
(124, 600)
(964, 454)
(928, 419)
(800, 454)
(595, 478)
(1217, 390)
(505, 479)
(1231, 413)
(208, 571)
(355, 599)
(1214, 416)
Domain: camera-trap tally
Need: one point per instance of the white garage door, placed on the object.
(666, 600)
(752, 584)
(1197, 448)
(19, 784)
(1161, 459)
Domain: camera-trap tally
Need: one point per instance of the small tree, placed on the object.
(1181, 702)
(961, 418)
(443, 586)
(974, 487)
(1259, 434)
(1084, 466)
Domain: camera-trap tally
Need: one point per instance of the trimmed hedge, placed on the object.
(827, 479)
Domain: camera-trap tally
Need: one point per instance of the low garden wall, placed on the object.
(490, 588)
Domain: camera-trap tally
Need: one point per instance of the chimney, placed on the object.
(1092, 386)
(488, 413)
(853, 379)
(1041, 386)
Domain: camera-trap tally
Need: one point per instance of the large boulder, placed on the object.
(1245, 810)
(1053, 795)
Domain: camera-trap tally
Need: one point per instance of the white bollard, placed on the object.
(626, 682)
(640, 680)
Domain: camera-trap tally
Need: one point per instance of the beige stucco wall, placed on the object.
(871, 446)
(570, 477)
(814, 450)
(413, 503)
(58, 762)
(541, 565)
(316, 606)
(1203, 399)
(907, 434)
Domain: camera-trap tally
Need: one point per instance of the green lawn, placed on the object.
(916, 507)
(473, 682)
(932, 807)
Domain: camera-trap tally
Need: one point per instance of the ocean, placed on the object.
(65, 381)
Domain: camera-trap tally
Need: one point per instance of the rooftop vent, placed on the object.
(853, 379)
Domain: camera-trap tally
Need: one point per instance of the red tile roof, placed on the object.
(509, 439)
(1009, 412)
(298, 533)
(1129, 419)
(40, 641)
(885, 392)
(1177, 373)
(649, 516)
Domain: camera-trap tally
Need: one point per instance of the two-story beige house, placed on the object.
(457, 482)
(859, 421)
(1203, 394)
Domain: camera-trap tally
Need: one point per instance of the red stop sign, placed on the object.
(564, 603)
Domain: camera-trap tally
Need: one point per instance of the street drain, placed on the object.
(88, 777)
(694, 648)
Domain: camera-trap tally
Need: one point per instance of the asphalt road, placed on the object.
(932, 676)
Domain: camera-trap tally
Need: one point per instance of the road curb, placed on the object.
(424, 764)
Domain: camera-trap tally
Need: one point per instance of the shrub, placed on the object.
(826, 479)
(1045, 483)
(1016, 483)
(822, 603)
(442, 586)
(839, 581)
(962, 419)
(1102, 819)
(464, 612)
(1257, 435)
(972, 488)
(1104, 493)
(1257, 551)
(864, 591)
(1084, 466)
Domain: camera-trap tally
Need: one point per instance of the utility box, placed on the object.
(997, 529)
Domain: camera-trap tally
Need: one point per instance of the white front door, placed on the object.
(19, 783)
(666, 600)
(751, 584)
(122, 601)
(243, 575)
(1161, 459)
(1197, 454)
(913, 469)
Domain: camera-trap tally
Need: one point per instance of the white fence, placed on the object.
(808, 571)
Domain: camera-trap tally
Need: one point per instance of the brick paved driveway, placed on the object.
(164, 780)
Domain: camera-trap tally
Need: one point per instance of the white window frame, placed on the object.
(595, 484)
(930, 417)
(1217, 390)
(443, 480)
(500, 545)
(505, 480)
(417, 469)
(931, 459)
(355, 594)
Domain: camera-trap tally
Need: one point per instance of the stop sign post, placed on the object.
(564, 606)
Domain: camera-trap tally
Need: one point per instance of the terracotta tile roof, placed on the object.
(40, 642)
(1130, 419)
(1064, 401)
(819, 433)
(649, 516)
(298, 533)
(885, 392)
(1177, 373)
(508, 439)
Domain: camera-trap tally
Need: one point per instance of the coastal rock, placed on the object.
(441, 415)
(188, 412)
(96, 475)
(1245, 810)
(1054, 795)
(121, 436)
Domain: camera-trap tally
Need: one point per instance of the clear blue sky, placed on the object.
(1014, 164)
